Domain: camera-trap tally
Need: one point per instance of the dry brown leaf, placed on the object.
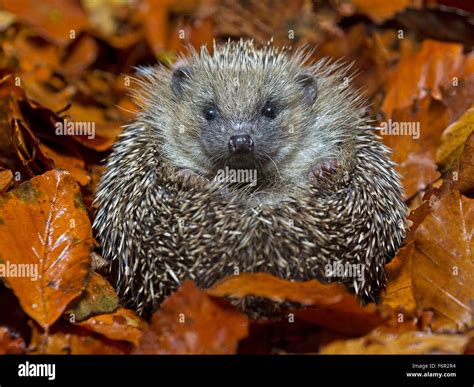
(155, 19)
(122, 325)
(369, 55)
(45, 231)
(276, 289)
(83, 53)
(190, 322)
(73, 165)
(433, 272)
(104, 131)
(399, 290)
(420, 74)
(6, 180)
(443, 264)
(454, 138)
(66, 339)
(465, 178)
(52, 19)
(331, 306)
(411, 342)
(415, 155)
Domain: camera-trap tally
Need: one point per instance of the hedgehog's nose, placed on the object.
(241, 144)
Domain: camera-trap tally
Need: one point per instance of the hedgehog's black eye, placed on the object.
(210, 113)
(269, 110)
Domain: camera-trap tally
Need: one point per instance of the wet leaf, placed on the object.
(45, 243)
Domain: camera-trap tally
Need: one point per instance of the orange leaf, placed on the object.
(399, 290)
(414, 151)
(122, 325)
(52, 19)
(379, 11)
(45, 240)
(73, 165)
(67, 339)
(420, 74)
(411, 342)
(265, 285)
(443, 265)
(332, 306)
(190, 322)
(6, 179)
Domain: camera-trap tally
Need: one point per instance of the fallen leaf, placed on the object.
(443, 265)
(267, 286)
(122, 325)
(413, 138)
(465, 178)
(67, 339)
(330, 306)
(190, 322)
(453, 140)
(99, 297)
(82, 54)
(380, 11)
(75, 166)
(399, 290)
(422, 73)
(413, 343)
(52, 19)
(458, 95)
(45, 244)
(6, 179)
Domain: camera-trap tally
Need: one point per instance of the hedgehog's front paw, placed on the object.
(324, 169)
(191, 178)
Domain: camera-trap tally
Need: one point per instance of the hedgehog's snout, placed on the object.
(241, 145)
(241, 151)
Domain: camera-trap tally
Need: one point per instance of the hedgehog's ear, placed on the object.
(310, 88)
(179, 79)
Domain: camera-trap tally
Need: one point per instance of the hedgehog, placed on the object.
(248, 158)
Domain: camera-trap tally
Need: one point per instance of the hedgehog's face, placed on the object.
(252, 123)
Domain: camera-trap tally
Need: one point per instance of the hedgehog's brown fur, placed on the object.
(158, 229)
